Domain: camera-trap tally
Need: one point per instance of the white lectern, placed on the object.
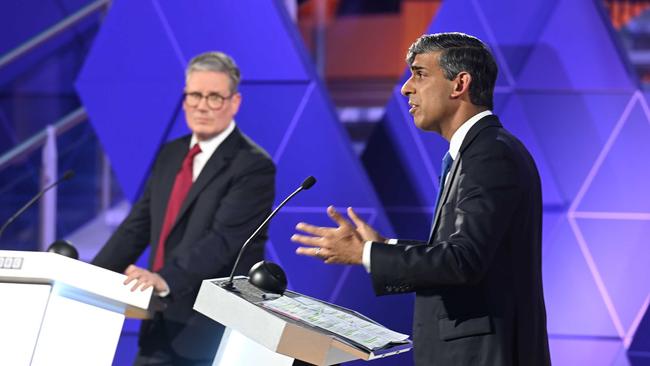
(254, 333)
(56, 310)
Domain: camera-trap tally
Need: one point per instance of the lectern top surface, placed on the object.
(346, 333)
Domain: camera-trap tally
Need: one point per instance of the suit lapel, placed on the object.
(444, 195)
(219, 160)
(487, 121)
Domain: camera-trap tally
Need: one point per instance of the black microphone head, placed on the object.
(308, 182)
(67, 175)
(64, 248)
(268, 276)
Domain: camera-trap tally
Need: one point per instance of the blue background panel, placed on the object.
(252, 32)
(624, 171)
(573, 302)
(620, 249)
(577, 52)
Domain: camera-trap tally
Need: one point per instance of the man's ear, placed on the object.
(461, 84)
(236, 102)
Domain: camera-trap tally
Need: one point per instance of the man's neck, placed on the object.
(457, 119)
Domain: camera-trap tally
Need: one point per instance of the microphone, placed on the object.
(306, 184)
(67, 175)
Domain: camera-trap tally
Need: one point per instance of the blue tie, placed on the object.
(446, 165)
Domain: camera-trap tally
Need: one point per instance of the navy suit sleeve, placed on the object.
(242, 208)
(486, 192)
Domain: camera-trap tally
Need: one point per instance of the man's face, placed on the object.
(429, 92)
(204, 120)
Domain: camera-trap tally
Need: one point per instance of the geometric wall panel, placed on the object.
(577, 51)
(624, 171)
(573, 301)
(621, 251)
(570, 351)
(127, 80)
(571, 129)
(639, 351)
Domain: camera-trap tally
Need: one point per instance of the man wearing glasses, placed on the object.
(206, 194)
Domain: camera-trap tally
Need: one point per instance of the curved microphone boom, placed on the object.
(67, 175)
(306, 184)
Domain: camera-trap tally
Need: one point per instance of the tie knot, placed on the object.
(195, 150)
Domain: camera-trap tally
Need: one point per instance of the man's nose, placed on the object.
(406, 88)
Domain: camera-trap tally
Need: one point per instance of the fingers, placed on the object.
(146, 286)
(143, 282)
(143, 278)
(137, 284)
(336, 217)
(130, 277)
(355, 218)
(130, 269)
(318, 252)
(314, 230)
(308, 240)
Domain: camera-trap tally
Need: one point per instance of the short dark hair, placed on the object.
(461, 52)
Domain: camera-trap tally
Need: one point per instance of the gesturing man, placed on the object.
(478, 279)
(206, 194)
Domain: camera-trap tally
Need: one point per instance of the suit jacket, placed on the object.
(478, 281)
(228, 200)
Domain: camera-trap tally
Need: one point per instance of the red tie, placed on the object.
(182, 186)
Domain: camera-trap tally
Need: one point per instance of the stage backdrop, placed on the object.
(566, 91)
(132, 84)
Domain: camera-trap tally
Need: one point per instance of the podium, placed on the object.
(56, 310)
(255, 333)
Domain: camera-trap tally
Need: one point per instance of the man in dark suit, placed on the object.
(478, 279)
(206, 194)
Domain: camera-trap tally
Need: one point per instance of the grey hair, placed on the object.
(217, 62)
(461, 52)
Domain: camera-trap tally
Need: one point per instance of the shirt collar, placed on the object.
(209, 146)
(458, 136)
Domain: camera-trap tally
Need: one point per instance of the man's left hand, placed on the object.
(145, 279)
(342, 244)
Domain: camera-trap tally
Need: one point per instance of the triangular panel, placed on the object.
(624, 171)
(573, 302)
(576, 51)
(263, 48)
(621, 250)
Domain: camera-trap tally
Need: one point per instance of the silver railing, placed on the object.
(46, 139)
(53, 31)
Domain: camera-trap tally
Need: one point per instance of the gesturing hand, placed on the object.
(342, 244)
(366, 231)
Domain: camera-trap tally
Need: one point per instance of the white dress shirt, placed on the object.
(454, 150)
(208, 148)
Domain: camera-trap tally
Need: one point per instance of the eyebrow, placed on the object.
(417, 68)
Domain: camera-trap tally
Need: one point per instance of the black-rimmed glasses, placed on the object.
(214, 100)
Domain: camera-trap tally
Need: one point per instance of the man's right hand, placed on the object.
(145, 279)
